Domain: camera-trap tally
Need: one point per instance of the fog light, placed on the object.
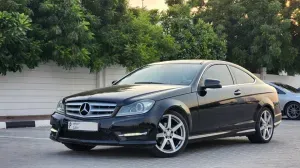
(53, 130)
(133, 134)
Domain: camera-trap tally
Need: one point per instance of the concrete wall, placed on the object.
(291, 80)
(37, 91)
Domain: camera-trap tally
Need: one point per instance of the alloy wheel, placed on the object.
(171, 134)
(293, 111)
(266, 125)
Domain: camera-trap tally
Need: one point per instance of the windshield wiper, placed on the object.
(148, 83)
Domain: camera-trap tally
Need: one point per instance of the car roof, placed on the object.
(191, 61)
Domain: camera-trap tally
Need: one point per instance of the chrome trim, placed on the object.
(207, 135)
(90, 103)
(279, 114)
(96, 109)
(133, 134)
(245, 122)
(277, 123)
(53, 130)
(246, 131)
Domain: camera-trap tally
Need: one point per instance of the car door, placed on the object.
(247, 99)
(217, 105)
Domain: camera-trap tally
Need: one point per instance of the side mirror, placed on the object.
(212, 83)
(114, 82)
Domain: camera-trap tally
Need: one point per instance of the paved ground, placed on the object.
(31, 148)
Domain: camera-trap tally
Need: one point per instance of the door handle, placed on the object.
(237, 92)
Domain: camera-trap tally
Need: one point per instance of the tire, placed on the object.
(171, 138)
(292, 111)
(264, 129)
(77, 147)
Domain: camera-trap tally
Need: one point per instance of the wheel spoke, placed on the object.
(163, 144)
(267, 133)
(172, 144)
(178, 137)
(162, 126)
(169, 121)
(159, 135)
(269, 119)
(176, 127)
(264, 133)
(262, 120)
(262, 128)
(269, 126)
(266, 117)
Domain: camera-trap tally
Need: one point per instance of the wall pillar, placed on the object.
(263, 73)
(100, 79)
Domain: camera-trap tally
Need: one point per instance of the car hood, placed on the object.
(125, 94)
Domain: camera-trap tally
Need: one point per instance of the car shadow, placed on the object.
(140, 153)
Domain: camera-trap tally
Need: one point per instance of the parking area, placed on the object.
(31, 148)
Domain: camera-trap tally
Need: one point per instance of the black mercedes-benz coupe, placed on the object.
(163, 106)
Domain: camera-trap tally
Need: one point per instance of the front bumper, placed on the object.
(137, 130)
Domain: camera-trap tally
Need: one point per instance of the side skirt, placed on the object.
(223, 134)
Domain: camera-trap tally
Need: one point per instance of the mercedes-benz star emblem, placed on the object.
(84, 109)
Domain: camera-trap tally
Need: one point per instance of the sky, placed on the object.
(149, 4)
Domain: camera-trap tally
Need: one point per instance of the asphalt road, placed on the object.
(31, 148)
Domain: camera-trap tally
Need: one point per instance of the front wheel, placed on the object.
(172, 135)
(77, 147)
(264, 127)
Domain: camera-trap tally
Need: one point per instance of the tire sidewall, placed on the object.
(159, 153)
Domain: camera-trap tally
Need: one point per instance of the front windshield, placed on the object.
(287, 87)
(173, 74)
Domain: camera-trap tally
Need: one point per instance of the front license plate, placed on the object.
(82, 126)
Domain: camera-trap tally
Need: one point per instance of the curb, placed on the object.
(22, 124)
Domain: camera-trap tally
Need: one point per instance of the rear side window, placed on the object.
(219, 72)
(279, 91)
(241, 76)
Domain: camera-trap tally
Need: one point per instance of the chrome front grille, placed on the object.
(90, 109)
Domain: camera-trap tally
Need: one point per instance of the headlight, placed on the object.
(60, 108)
(139, 107)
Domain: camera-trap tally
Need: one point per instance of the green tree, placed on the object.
(16, 49)
(15, 6)
(291, 11)
(126, 36)
(258, 36)
(139, 42)
(196, 40)
(64, 31)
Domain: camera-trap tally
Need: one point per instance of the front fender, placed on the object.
(172, 104)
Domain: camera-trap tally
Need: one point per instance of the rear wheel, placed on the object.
(292, 111)
(172, 135)
(264, 127)
(77, 147)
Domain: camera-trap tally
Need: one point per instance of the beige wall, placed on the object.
(37, 91)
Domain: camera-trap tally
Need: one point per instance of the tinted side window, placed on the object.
(241, 76)
(219, 72)
(279, 91)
